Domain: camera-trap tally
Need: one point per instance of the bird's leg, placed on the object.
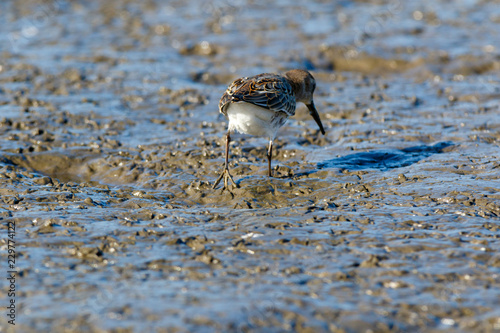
(269, 157)
(225, 173)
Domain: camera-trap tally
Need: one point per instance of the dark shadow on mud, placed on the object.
(385, 159)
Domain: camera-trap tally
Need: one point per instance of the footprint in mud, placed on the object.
(385, 159)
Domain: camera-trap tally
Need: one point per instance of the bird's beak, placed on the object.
(314, 113)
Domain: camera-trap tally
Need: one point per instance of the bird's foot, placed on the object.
(227, 176)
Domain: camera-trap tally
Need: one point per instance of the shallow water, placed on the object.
(111, 140)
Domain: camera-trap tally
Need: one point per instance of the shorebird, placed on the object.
(261, 104)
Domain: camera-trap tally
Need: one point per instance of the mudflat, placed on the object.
(111, 140)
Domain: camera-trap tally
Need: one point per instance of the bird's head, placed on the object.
(303, 85)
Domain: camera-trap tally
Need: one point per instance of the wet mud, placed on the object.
(111, 141)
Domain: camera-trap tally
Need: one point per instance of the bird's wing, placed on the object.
(268, 91)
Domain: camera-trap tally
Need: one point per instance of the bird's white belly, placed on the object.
(251, 119)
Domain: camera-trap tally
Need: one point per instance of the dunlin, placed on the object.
(261, 104)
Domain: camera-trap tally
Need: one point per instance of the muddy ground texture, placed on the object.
(111, 141)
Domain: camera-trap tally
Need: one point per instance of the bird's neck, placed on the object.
(297, 88)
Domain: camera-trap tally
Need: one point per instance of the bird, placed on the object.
(259, 105)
